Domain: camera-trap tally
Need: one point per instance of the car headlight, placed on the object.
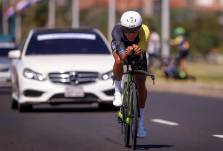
(30, 74)
(107, 75)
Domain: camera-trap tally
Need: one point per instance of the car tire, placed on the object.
(14, 104)
(24, 107)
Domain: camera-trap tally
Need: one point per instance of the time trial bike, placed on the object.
(129, 111)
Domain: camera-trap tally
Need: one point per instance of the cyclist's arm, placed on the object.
(117, 45)
(119, 48)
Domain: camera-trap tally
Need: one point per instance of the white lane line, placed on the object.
(219, 136)
(165, 122)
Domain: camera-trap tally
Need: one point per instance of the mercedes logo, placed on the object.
(74, 78)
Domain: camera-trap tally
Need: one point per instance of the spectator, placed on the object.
(153, 48)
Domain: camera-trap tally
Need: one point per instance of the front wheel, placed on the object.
(125, 112)
(134, 115)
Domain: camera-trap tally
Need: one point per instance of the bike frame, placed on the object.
(130, 108)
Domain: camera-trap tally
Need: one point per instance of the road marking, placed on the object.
(165, 122)
(219, 136)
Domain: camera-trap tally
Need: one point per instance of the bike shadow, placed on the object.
(153, 146)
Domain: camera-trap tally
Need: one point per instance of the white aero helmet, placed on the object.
(131, 19)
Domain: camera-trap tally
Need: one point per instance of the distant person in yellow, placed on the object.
(182, 45)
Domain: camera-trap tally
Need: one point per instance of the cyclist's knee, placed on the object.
(140, 79)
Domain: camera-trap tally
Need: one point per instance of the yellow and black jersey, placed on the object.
(120, 42)
(181, 43)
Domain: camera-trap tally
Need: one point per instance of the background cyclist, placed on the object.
(182, 46)
(130, 37)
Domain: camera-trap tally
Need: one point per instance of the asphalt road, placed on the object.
(175, 122)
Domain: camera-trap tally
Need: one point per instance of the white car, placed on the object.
(62, 66)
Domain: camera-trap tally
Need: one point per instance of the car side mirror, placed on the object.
(14, 54)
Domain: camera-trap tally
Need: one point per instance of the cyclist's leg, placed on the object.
(140, 80)
(142, 94)
(183, 63)
(141, 89)
(117, 70)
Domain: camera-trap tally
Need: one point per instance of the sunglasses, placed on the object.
(131, 30)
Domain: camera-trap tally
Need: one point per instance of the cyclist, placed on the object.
(182, 45)
(178, 69)
(129, 40)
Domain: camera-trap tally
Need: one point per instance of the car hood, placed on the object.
(63, 63)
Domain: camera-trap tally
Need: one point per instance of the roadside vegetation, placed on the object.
(204, 29)
(207, 72)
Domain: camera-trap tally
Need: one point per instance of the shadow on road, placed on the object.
(147, 147)
(71, 109)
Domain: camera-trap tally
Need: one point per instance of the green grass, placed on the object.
(211, 74)
(207, 73)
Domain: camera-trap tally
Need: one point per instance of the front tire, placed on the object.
(127, 134)
(134, 115)
(126, 117)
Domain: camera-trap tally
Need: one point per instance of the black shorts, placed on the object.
(183, 54)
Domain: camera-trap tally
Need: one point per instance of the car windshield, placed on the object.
(66, 43)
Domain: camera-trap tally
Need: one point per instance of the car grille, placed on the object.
(73, 77)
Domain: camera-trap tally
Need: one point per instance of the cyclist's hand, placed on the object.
(129, 50)
(137, 49)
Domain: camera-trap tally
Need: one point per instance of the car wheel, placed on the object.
(24, 107)
(14, 104)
